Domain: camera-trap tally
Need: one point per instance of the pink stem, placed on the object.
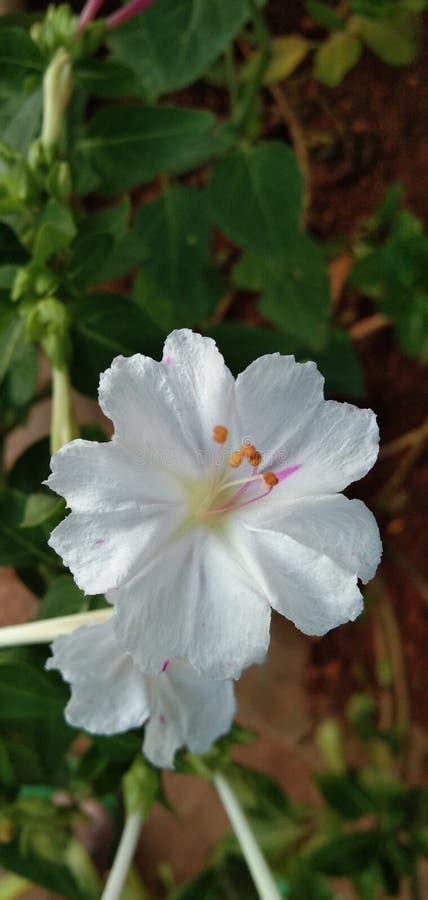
(127, 12)
(88, 13)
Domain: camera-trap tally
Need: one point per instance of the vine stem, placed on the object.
(64, 427)
(257, 865)
(122, 861)
(46, 630)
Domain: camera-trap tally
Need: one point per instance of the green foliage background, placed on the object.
(150, 214)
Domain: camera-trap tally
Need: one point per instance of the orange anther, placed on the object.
(248, 450)
(235, 459)
(255, 459)
(220, 433)
(270, 478)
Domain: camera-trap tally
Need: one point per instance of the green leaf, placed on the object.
(128, 144)
(324, 15)
(26, 693)
(89, 256)
(21, 378)
(11, 250)
(241, 344)
(104, 326)
(339, 363)
(41, 508)
(103, 249)
(228, 880)
(105, 78)
(31, 468)
(21, 547)
(55, 875)
(63, 598)
(11, 331)
(19, 57)
(344, 794)
(396, 41)
(176, 41)
(56, 230)
(256, 196)
(336, 57)
(287, 54)
(23, 118)
(295, 290)
(347, 854)
(178, 284)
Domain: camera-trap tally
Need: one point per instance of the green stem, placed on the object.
(64, 426)
(43, 631)
(257, 865)
(122, 861)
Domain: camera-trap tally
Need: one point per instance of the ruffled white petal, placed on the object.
(281, 405)
(275, 398)
(305, 585)
(104, 550)
(203, 386)
(104, 477)
(334, 526)
(170, 407)
(188, 710)
(197, 602)
(108, 693)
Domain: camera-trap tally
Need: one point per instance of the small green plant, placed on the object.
(391, 29)
(391, 267)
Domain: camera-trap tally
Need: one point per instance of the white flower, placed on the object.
(216, 500)
(110, 695)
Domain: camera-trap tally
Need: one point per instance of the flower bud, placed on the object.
(57, 89)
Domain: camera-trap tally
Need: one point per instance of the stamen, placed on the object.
(235, 459)
(255, 459)
(247, 450)
(270, 479)
(220, 434)
(164, 665)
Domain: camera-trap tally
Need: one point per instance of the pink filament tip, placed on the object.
(127, 12)
(162, 719)
(168, 360)
(89, 11)
(100, 541)
(164, 665)
(282, 474)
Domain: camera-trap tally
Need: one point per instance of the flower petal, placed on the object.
(108, 693)
(303, 584)
(280, 402)
(104, 550)
(100, 477)
(275, 398)
(168, 411)
(202, 384)
(342, 529)
(196, 602)
(188, 710)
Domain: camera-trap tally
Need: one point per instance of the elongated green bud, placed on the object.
(57, 88)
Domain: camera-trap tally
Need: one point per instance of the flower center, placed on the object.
(213, 498)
